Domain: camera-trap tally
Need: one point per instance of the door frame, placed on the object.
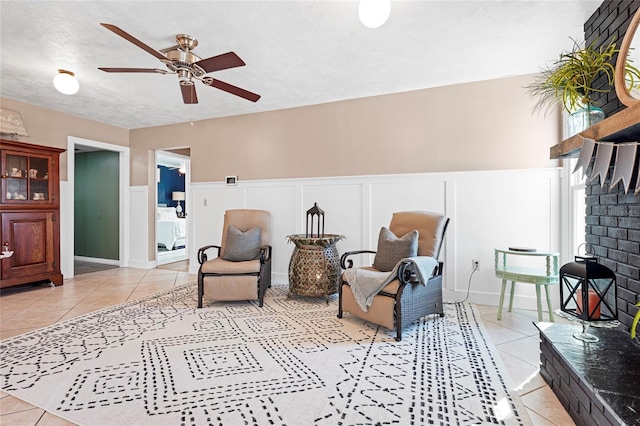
(187, 204)
(67, 257)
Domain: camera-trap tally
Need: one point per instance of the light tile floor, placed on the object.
(27, 308)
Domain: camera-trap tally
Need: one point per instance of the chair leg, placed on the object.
(398, 310)
(339, 300)
(200, 289)
(513, 288)
(264, 282)
(261, 291)
(504, 287)
(539, 302)
(546, 290)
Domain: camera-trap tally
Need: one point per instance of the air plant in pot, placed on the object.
(569, 81)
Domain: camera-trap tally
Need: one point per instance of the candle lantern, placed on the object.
(311, 217)
(588, 292)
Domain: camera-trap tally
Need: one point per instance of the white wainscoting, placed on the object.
(487, 209)
(66, 249)
(139, 231)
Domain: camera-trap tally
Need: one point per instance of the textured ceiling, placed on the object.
(297, 52)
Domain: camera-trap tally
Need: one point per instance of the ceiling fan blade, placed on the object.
(220, 62)
(189, 95)
(253, 97)
(134, 40)
(146, 70)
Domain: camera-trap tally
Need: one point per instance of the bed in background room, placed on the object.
(172, 230)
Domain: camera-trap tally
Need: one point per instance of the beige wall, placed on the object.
(476, 126)
(51, 128)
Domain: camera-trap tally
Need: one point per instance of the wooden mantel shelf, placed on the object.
(623, 126)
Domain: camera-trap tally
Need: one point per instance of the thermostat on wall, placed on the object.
(232, 180)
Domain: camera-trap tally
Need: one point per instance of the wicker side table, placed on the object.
(314, 268)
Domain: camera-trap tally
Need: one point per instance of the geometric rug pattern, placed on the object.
(160, 360)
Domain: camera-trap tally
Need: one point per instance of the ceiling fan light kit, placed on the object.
(65, 82)
(374, 13)
(181, 60)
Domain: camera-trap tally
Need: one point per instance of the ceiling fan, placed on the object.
(181, 60)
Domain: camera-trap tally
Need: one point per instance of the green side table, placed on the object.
(539, 275)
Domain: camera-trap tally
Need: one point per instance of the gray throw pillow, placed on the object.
(392, 249)
(241, 246)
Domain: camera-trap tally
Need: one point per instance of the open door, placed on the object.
(172, 205)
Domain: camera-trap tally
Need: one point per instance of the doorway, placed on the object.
(172, 201)
(119, 196)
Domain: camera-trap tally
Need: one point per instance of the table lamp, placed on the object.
(178, 196)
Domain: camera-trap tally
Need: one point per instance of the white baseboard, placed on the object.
(142, 264)
(164, 257)
(279, 278)
(97, 260)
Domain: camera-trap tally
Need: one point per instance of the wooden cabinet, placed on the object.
(29, 214)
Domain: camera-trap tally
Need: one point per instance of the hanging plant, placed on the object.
(569, 80)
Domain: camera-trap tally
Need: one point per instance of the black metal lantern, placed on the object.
(588, 290)
(311, 215)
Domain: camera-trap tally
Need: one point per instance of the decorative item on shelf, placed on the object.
(311, 214)
(584, 118)
(5, 251)
(626, 83)
(33, 173)
(523, 249)
(178, 196)
(11, 123)
(569, 80)
(588, 294)
(15, 172)
(624, 168)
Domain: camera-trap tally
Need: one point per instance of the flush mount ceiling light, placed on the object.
(374, 13)
(65, 82)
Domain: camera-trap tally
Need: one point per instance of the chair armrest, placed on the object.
(202, 256)
(406, 275)
(265, 254)
(345, 264)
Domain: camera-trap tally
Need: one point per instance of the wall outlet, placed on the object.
(475, 264)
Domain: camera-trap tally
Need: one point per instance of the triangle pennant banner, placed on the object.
(601, 166)
(585, 155)
(627, 162)
(623, 169)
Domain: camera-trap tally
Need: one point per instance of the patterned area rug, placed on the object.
(162, 361)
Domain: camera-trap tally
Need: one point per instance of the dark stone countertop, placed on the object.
(610, 367)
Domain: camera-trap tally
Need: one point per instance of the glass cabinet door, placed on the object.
(25, 178)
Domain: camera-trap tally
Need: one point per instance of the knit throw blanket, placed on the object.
(365, 283)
